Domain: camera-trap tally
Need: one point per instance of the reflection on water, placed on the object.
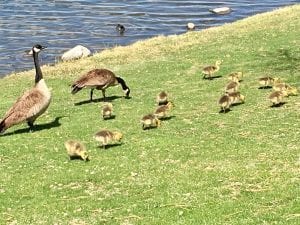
(62, 24)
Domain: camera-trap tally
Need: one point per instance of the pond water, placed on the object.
(62, 24)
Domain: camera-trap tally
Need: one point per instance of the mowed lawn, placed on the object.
(199, 167)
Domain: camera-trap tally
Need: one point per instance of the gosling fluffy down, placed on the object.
(150, 121)
(162, 111)
(276, 97)
(106, 137)
(76, 150)
(224, 102)
(162, 98)
(107, 111)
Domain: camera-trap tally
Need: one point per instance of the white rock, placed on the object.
(190, 26)
(77, 52)
(221, 10)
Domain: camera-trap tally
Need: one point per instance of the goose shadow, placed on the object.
(212, 78)
(109, 146)
(38, 127)
(107, 99)
(265, 87)
(278, 105)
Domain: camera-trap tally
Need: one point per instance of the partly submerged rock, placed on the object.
(190, 26)
(77, 52)
(221, 10)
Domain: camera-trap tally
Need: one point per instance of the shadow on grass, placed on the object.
(112, 117)
(107, 99)
(265, 87)
(212, 78)
(78, 158)
(167, 118)
(238, 103)
(224, 111)
(278, 105)
(38, 127)
(109, 146)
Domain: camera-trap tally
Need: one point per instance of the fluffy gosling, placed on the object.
(232, 87)
(162, 111)
(76, 150)
(267, 82)
(276, 97)
(235, 76)
(150, 121)
(236, 97)
(224, 102)
(162, 98)
(107, 111)
(106, 137)
(292, 91)
(210, 70)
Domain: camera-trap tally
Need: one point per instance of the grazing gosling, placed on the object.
(280, 87)
(106, 137)
(232, 87)
(107, 111)
(162, 98)
(150, 121)
(76, 150)
(276, 97)
(266, 82)
(224, 102)
(235, 76)
(161, 111)
(210, 70)
(236, 97)
(292, 91)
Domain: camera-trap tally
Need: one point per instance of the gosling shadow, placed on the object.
(46, 126)
(265, 87)
(107, 99)
(109, 146)
(167, 118)
(212, 77)
(278, 105)
(110, 118)
(78, 158)
(224, 111)
(238, 103)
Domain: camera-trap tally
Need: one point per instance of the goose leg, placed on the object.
(103, 93)
(91, 94)
(30, 124)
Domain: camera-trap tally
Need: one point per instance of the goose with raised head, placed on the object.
(99, 79)
(211, 69)
(33, 102)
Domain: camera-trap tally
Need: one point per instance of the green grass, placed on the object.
(200, 167)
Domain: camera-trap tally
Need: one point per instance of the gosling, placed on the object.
(267, 82)
(107, 111)
(225, 103)
(162, 98)
(210, 70)
(150, 121)
(235, 76)
(232, 87)
(292, 91)
(162, 111)
(76, 150)
(106, 137)
(236, 97)
(276, 97)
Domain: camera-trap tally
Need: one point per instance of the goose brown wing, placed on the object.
(28, 105)
(97, 77)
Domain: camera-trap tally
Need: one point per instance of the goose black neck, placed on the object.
(122, 82)
(38, 71)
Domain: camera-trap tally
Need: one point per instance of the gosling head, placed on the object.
(117, 135)
(218, 62)
(84, 155)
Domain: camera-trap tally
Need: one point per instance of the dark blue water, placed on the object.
(62, 24)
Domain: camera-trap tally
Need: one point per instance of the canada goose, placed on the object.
(99, 79)
(276, 97)
(106, 137)
(236, 97)
(232, 86)
(210, 70)
(235, 76)
(162, 98)
(224, 102)
(161, 111)
(33, 102)
(107, 110)
(150, 121)
(120, 28)
(266, 82)
(190, 26)
(75, 150)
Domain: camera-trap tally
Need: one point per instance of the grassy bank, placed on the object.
(199, 167)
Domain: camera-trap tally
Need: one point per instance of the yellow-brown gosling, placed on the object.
(162, 98)
(292, 91)
(232, 87)
(224, 102)
(280, 87)
(235, 76)
(162, 111)
(236, 97)
(266, 82)
(208, 71)
(76, 150)
(276, 97)
(107, 111)
(99, 79)
(150, 121)
(106, 137)
(33, 102)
